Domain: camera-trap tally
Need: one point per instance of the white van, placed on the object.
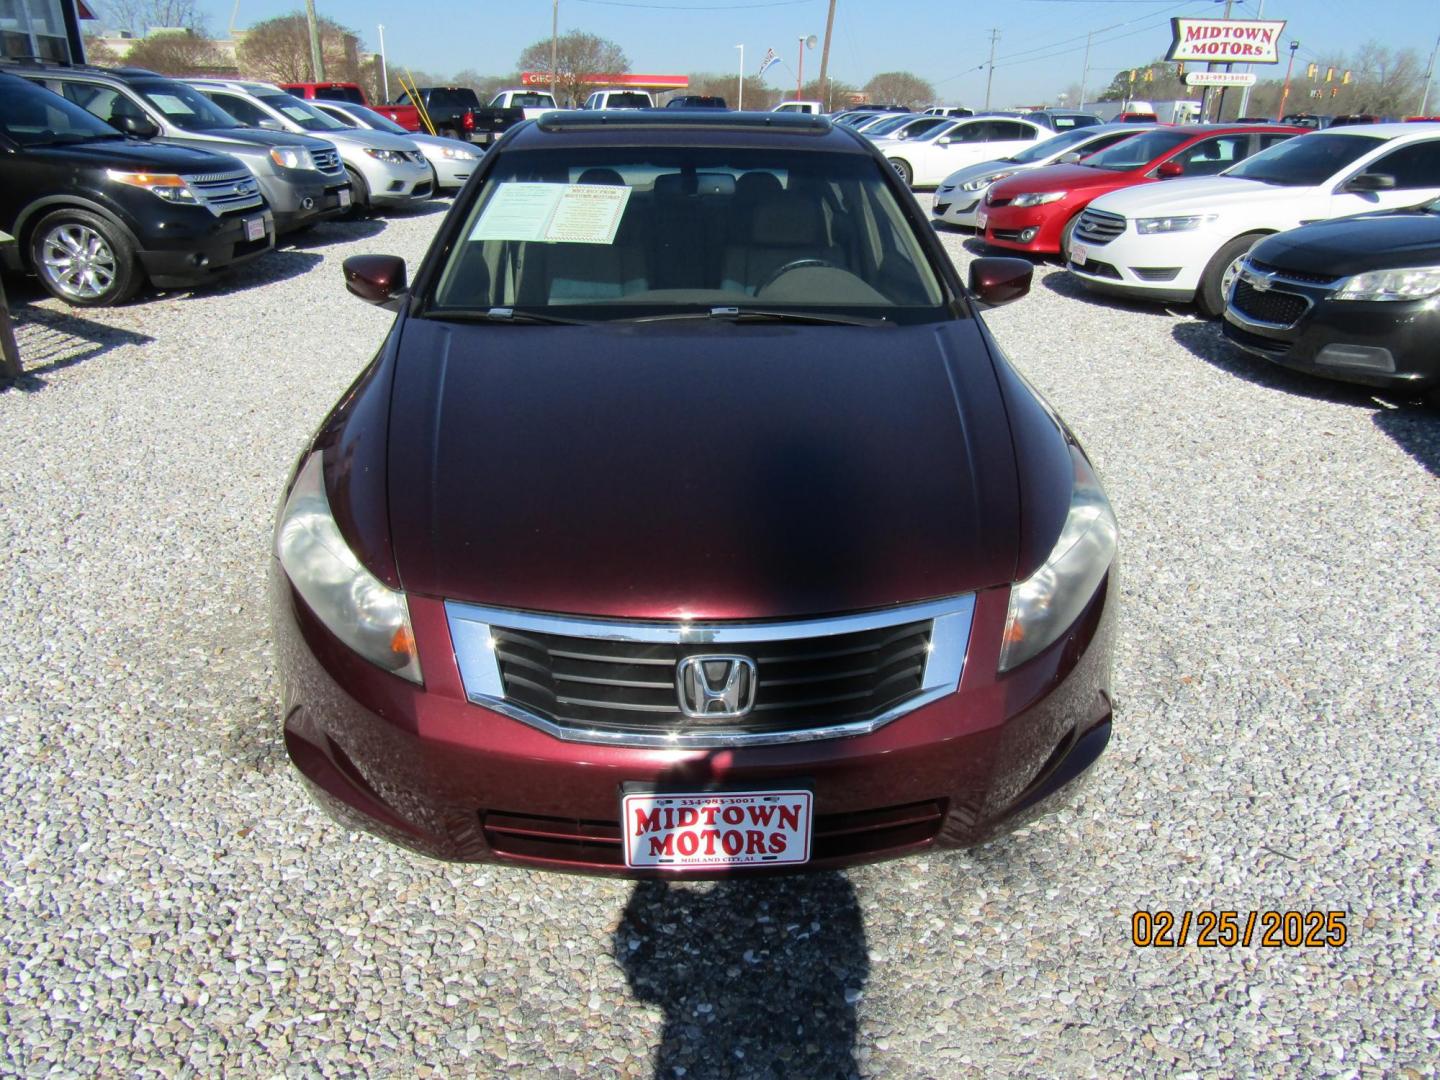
(619, 99)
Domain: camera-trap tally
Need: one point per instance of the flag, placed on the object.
(769, 59)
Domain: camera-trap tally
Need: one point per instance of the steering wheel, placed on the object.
(793, 264)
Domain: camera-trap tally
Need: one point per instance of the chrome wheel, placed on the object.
(77, 261)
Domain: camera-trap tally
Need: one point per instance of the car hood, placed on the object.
(1063, 178)
(1353, 245)
(261, 137)
(379, 140)
(699, 469)
(1201, 194)
(433, 142)
(984, 168)
(142, 156)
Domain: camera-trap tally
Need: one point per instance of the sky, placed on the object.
(1040, 50)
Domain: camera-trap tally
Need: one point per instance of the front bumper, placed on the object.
(957, 207)
(428, 769)
(303, 196)
(450, 175)
(1369, 343)
(1006, 226)
(398, 185)
(180, 253)
(1164, 267)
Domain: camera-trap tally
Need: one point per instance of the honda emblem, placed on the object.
(716, 687)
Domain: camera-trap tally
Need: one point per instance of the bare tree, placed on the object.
(900, 88)
(279, 50)
(139, 16)
(579, 57)
(487, 86)
(179, 53)
(709, 84)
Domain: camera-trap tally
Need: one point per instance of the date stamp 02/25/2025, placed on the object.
(1227, 929)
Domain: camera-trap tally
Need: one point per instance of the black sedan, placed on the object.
(1355, 299)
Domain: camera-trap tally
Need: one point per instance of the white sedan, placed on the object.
(1184, 240)
(927, 159)
(960, 194)
(451, 160)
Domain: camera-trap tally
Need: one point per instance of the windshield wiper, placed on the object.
(749, 314)
(509, 315)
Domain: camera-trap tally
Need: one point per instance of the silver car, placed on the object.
(385, 170)
(452, 160)
(958, 198)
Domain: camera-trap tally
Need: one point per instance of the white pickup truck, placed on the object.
(535, 103)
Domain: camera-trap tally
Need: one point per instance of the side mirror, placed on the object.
(269, 125)
(944, 140)
(1068, 159)
(1169, 170)
(996, 281)
(136, 125)
(1369, 181)
(376, 279)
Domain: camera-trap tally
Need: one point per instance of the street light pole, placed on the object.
(554, 34)
(800, 69)
(825, 56)
(1085, 70)
(384, 67)
(740, 82)
(1285, 93)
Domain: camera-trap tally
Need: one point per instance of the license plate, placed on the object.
(344, 198)
(980, 219)
(1078, 254)
(706, 830)
(255, 228)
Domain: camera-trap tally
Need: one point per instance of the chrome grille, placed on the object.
(1293, 275)
(226, 193)
(616, 681)
(415, 156)
(1099, 227)
(327, 161)
(1269, 306)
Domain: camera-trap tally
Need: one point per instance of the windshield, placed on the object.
(620, 232)
(627, 101)
(298, 112)
(1051, 147)
(1305, 160)
(185, 107)
(372, 119)
(1138, 152)
(33, 116)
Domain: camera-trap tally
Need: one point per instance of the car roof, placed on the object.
(247, 85)
(634, 127)
(1392, 130)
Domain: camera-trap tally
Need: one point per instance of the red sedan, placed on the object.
(1036, 211)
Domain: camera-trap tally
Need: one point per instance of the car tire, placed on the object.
(903, 170)
(84, 259)
(1210, 296)
(359, 194)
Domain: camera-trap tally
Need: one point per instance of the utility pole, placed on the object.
(1085, 70)
(990, 76)
(384, 67)
(825, 55)
(554, 38)
(317, 61)
(1220, 108)
(740, 82)
(800, 69)
(1245, 93)
(1285, 93)
(1429, 74)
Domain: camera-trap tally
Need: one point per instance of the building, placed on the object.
(43, 29)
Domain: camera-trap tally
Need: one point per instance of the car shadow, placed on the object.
(278, 265)
(438, 205)
(1066, 284)
(50, 341)
(332, 231)
(1416, 430)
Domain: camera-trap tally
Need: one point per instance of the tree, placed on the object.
(579, 57)
(178, 53)
(1157, 80)
(900, 88)
(278, 50)
(100, 54)
(487, 86)
(138, 16)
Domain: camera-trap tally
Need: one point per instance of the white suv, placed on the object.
(1184, 240)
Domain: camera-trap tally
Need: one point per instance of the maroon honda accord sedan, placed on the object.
(689, 522)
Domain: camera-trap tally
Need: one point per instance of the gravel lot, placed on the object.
(174, 905)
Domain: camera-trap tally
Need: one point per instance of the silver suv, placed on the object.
(384, 169)
(301, 177)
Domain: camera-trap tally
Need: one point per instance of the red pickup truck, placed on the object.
(407, 116)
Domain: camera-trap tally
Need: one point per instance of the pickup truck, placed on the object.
(407, 116)
(455, 111)
(535, 103)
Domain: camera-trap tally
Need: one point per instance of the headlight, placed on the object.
(979, 183)
(459, 153)
(1047, 603)
(292, 157)
(1415, 283)
(1038, 198)
(354, 605)
(390, 157)
(171, 188)
(1147, 225)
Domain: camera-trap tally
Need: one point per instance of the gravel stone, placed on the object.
(174, 906)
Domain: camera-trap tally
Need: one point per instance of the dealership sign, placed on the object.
(1226, 41)
(1220, 78)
